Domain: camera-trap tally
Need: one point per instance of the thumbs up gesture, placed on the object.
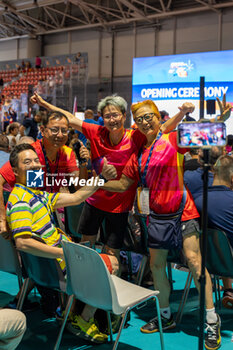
(108, 171)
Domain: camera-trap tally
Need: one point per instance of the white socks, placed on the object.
(211, 316)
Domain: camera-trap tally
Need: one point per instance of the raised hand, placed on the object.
(84, 154)
(187, 107)
(37, 99)
(225, 109)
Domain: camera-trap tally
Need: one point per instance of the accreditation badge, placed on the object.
(143, 200)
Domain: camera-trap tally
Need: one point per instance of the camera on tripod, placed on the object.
(201, 134)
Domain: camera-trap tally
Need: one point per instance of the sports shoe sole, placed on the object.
(216, 347)
(83, 335)
(171, 326)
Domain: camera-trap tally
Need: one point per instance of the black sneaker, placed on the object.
(213, 336)
(153, 325)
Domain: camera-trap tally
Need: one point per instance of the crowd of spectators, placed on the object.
(122, 159)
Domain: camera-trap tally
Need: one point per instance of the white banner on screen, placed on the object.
(172, 80)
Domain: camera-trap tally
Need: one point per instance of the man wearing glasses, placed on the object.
(58, 161)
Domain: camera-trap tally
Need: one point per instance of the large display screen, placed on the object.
(172, 80)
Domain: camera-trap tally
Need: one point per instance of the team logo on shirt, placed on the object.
(35, 178)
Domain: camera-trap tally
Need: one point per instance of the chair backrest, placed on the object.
(9, 259)
(44, 271)
(219, 260)
(87, 276)
(72, 217)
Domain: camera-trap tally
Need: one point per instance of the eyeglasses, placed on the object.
(113, 115)
(147, 117)
(55, 131)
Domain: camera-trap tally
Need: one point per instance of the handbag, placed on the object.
(164, 230)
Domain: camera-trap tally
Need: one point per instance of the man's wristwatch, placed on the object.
(102, 178)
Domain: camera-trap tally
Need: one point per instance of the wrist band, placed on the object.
(102, 178)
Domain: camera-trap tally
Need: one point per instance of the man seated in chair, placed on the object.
(29, 213)
(220, 210)
(54, 156)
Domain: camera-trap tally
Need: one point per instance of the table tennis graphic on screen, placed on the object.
(172, 80)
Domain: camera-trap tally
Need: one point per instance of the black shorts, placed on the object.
(115, 225)
(190, 227)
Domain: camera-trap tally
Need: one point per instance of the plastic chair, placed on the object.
(89, 281)
(9, 259)
(43, 271)
(219, 258)
(72, 217)
(219, 262)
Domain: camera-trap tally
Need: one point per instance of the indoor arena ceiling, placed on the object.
(39, 17)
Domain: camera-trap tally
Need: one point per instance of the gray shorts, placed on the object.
(190, 227)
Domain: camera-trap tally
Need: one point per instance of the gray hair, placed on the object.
(223, 168)
(113, 100)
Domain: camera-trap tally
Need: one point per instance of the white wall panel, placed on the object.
(8, 50)
(23, 48)
(123, 53)
(55, 44)
(106, 55)
(145, 42)
(197, 34)
(87, 42)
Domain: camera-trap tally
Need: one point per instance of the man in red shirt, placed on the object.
(55, 157)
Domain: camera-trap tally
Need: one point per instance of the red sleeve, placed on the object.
(91, 130)
(173, 141)
(71, 163)
(138, 138)
(131, 168)
(8, 174)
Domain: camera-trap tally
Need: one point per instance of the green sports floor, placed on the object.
(42, 331)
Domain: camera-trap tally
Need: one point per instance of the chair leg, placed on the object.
(67, 311)
(169, 274)
(214, 283)
(160, 323)
(20, 281)
(23, 292)
(110, 326)
(121, 327)
(184, 298)
(218, 291)
(130, 270)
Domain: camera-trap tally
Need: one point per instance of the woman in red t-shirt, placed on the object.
(158, 168)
